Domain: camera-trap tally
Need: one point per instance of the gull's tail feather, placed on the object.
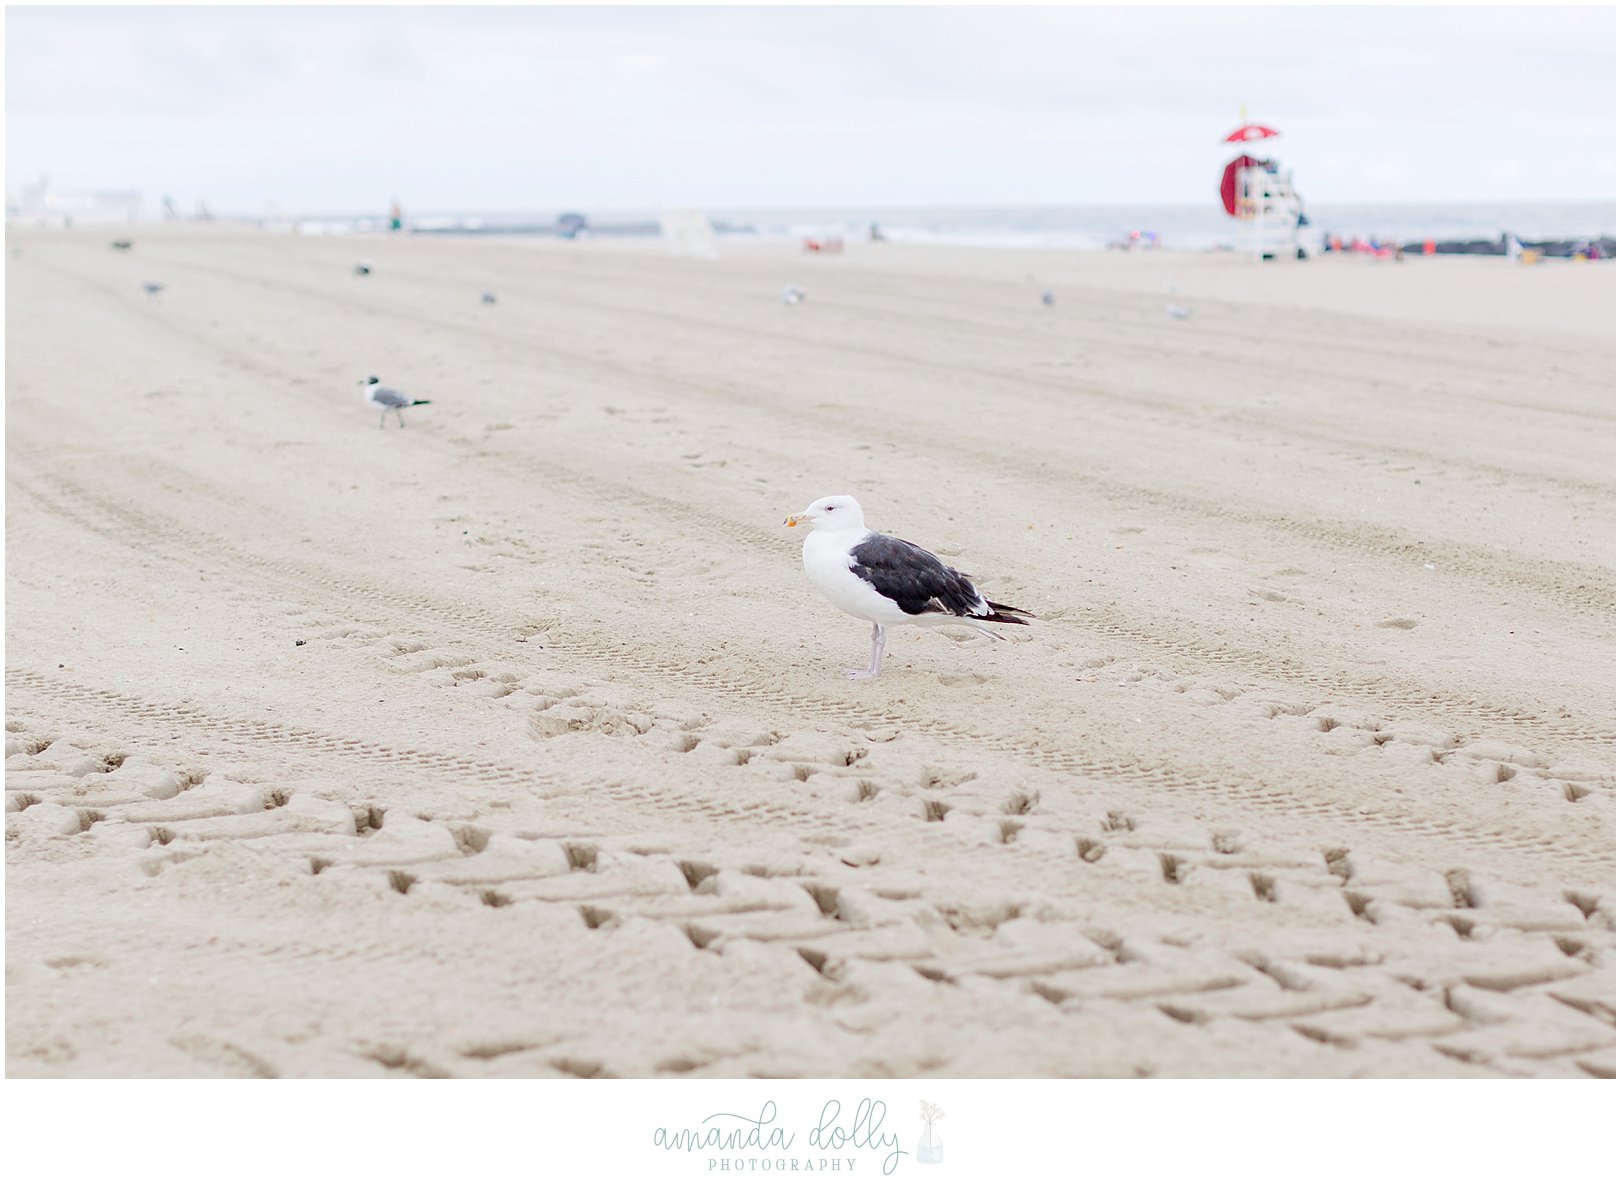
(414, 403)
(1002, 613)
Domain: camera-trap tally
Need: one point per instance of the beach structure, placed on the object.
(42, 206)
(1261, 194)
(689, 233)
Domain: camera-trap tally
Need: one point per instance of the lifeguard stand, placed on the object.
(1257, 192)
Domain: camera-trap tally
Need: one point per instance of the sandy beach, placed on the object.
(515, 742)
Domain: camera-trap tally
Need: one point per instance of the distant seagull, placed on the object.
(1178, 312)
(363, 269)
(793, 295)
(153, 287)
(488, 298)
(383, 399)
(1047, 297)
(887, 581)
(122, 245)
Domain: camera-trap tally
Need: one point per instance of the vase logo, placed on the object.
(930, 1148)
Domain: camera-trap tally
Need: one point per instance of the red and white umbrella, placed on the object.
(1229, 183)
(1251, 132)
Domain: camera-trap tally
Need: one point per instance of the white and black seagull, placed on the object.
(887, 581)
(386, 399)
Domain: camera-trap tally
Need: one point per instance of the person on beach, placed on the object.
(396, 216)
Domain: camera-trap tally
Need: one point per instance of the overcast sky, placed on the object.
(331, 110)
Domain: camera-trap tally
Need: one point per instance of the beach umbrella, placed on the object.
(1251, 132)
(1229, 182)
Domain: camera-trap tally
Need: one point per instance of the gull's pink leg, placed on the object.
(875, 664)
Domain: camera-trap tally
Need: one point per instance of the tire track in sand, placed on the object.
(182, 545)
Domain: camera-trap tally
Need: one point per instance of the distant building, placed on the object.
(41, 206)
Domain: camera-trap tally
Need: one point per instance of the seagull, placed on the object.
(122, 245)
(793, 295)
(383, 399)
(363, 269)
(488, 298)
(1047, 297)
(887, 581)
(153, 287)
(1180, 313)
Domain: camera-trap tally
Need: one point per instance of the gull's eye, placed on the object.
(830, 507)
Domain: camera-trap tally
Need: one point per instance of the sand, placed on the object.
(515, 743)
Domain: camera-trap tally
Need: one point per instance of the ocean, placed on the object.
(1186, 227)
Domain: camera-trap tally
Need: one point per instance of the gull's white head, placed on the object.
(371, 381)
(831, 512)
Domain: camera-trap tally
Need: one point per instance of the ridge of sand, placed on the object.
(515, 742)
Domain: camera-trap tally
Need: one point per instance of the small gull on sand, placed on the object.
(887, 581)
(153, 287)
(1180, 313)
(122, 245)
(363, 269)
(384, 399)
(793, 295)
(488, 298)
(1047, 297)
